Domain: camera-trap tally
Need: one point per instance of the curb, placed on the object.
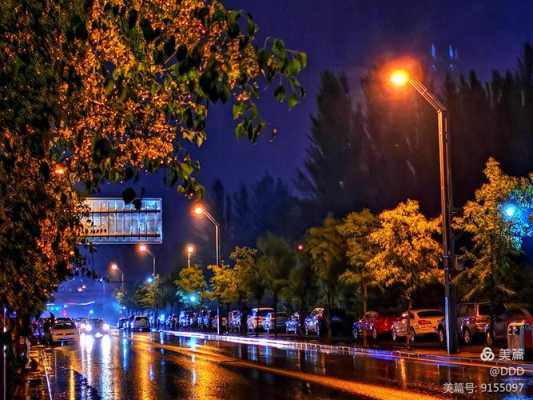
(352, 350)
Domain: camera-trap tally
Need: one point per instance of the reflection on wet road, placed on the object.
(158, 366)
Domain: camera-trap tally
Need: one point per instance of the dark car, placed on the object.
(97, 327)
(316, 322)
(275, 319)
(473, 318)
(292, 323)
(374, 325)
(234, 320)
(512, 313)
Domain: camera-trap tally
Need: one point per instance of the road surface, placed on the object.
(160, 366)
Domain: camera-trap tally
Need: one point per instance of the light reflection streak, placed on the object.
(106, 370)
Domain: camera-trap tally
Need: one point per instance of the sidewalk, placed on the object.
(35, 384)
(425, 355)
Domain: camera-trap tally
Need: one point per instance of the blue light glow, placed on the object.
(510, 210)
(150, 279)
(192, 298)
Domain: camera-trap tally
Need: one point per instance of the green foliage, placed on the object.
(302, 284)
(276, 261)
(327, 250)
(407, 253)
(190, 281)
(356, 229)
(223, 284)
(491, 260)
(100, 90)
(249, 275)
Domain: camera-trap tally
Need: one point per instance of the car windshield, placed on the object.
(64, 325)
(428, 314)
(263, 313)
(97, 322)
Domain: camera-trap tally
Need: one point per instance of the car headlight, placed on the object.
(88, 328)
(106, 327)
(82, 326)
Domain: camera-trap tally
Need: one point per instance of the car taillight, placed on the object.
(424, 322)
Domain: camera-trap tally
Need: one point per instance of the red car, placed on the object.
(374, 324)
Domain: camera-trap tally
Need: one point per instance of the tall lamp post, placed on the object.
(401, 78)
(144, 249)
(201, 211)
(190, 252)
(115, 267)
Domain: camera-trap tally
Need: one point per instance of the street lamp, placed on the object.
(144, 249)
(199, 211)
(115, 267)
(399, 78)
(190, 252)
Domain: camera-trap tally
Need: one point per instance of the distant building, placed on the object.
(444, 60)
(112, 221)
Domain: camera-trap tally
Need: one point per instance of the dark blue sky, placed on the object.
(347, 35)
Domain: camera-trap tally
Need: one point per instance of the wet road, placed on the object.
(159, 366)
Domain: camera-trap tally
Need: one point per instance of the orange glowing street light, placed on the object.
(399, 78)
(199, 210)
(190, 251)
(144, 249)
(115, 267)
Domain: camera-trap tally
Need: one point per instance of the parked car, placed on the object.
(203, 319)
(140, 324)
(512, 313)
(473, 318)
(61, 330)
(374, 325)
(422, 322)
(292, 323)
(234, 321)
(186, 319)
(97, 327)
(316, 322)
(256, 316)
(275, 319)
(223, 323)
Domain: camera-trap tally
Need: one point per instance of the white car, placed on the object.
(63, 329)
(140, 324)
(423, 321)
(256, 317)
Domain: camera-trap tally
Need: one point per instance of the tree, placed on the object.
(97, 91)
(356, 229)
(496, 225)
(223, 286)
(331, 179)
(250, 277)
(276, 261)
(191, 282)
(407, 255)
(301, 286)
(326, 248)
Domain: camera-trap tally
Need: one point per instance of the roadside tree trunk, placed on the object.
(408, 335)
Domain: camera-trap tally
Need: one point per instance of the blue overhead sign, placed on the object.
(112, 221)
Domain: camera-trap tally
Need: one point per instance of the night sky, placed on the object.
(341, 35)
